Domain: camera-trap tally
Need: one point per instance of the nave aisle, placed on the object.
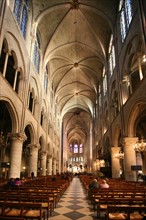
(74, 204)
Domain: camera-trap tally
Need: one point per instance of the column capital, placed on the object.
(7, 51)
(34, 147)
(43, 152)
(17, 136)
(130, 140)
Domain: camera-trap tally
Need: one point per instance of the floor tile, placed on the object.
(74, 204)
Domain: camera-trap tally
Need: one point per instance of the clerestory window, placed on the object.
(46, 80)
(112, 61)
(36, 52)
(21, 14)
(125, 9)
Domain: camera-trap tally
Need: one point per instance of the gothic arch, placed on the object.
(135, 112)
(13, 114)
(32, 132)
(16, 47)
(42, 142)
(133, 47)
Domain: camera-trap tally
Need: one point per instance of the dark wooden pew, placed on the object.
(125, 212)
(22, 210)
(46, 202)
(104, 202)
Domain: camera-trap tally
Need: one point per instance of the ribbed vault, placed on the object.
(75, 37)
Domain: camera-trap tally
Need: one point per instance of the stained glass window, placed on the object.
(104, 82)
(17, 10)
(24, 22)
(125, 9)
(70, 147)
(81, 149)
(99, 91)
(128, 11)
(46, 80)
(21, 13)
(75, 148)
(36, 52)
(112, 62)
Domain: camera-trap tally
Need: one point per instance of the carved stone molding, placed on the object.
(17, 136)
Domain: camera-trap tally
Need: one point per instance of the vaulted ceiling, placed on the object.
(75, 36)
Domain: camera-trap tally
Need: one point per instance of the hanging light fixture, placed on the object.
(140, 146)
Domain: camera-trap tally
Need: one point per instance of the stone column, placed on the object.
(115, 162)
(15, 79)
(54, 166)
(5, 64)
(43, 162)
(129, 158)
(17, 140)
(49, 165)
(33, 161)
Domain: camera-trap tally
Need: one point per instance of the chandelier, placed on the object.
(140, 146)
(119, 155)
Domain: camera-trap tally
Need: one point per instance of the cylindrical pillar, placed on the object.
(49, 165)
(43, 162)
(5, 64)
(15, 79)
(17, 140)
(129, 158)
(33, 161)
(54, 166)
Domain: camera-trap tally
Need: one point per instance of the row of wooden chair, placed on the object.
(22, 210)
(119, 194)
(21, 201)
(125, 212)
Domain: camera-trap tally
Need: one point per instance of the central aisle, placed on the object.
(74, 204)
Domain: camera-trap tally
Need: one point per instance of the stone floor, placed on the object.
(74, 204)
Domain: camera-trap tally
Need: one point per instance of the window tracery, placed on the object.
(125, 9)
(21, 14)
(104, 82)
(36, 52)
(99, 96)
(112, 61)
(76, 153)
(8, 67)
(46, 80)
